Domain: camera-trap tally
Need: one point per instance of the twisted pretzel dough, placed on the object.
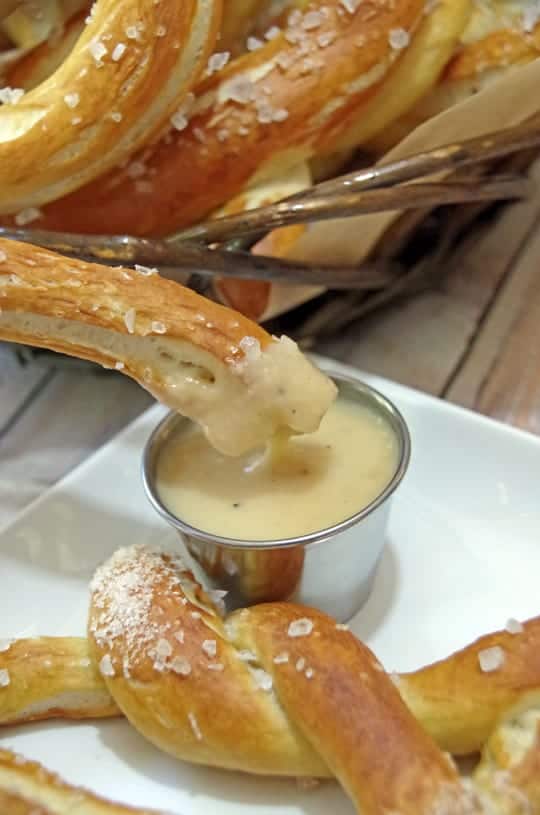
(268, 109)
(297, 694)
(209, 363)
(129, 71)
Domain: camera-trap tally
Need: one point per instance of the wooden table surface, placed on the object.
(475, 340)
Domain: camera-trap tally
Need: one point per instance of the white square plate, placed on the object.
(462, 556)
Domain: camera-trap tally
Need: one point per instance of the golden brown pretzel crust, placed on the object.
(302, 101)
(189, 352)
(102, 104)
(27, 788)
(298, 694)
(166, 656)
(52, 677)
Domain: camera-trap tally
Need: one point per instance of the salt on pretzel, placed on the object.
(268, 109)
(298, 694)
(501, 36)
(27, 788)
(127, 75)
(211, 364)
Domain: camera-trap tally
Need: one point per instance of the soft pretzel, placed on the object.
(272, 107)
(27, 788)
(126, 77)
(501, 36)
(209, 363)
(299, 695)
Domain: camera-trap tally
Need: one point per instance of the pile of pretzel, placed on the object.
(144, 117)
(282, 690)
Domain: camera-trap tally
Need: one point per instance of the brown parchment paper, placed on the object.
(508, 100)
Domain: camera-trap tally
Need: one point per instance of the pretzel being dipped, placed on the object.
(127, 75)
(209, 363)
(280, 689)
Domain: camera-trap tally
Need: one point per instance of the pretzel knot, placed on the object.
(127, 74)
(275, 689)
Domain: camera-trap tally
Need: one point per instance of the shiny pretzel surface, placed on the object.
(280, 689)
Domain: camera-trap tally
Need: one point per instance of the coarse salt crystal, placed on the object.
(3, 256)
(195, 726)
(491, 659)
(309, 673)
(218, 61)
(145, 270)
(251, 348)
(398, 38)
(106, 667)
(129, 320)
(246, 656)
(514, 626)
(215, 666)
(312, 19)
(72, 100)
(531, 16)
(98, 51)
(119, 366)
(342, 627)
(158, 328)
(132, 32)
(179, 635)
(4, 678)
(209, 647)
(350, 5)
(163, 648)
(118, 51)
(280, 115)
(300, 664)
(300, 628)
(180, 665)
(196, 615)
(280, 659)
(11, 96)
(254, 43)
(263, 680)
(26, 216)
(272, 33)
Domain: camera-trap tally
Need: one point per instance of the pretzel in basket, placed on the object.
(279, 689)
(264, 112)
(126, 77)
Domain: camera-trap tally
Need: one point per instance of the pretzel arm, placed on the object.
(49, 678)
(27, 788)
(209, 363)
(130, 69)
(459, 704)
(271, 108)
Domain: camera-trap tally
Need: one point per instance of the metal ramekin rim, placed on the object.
(383, 402)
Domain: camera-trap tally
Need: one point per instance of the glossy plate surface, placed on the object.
(462, 556)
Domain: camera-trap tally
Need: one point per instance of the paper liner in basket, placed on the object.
(509, 100)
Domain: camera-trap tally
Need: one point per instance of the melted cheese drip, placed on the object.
(297, 485)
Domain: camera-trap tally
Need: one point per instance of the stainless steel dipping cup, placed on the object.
(331, 569)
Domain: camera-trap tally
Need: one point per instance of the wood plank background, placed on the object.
(474, 340)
